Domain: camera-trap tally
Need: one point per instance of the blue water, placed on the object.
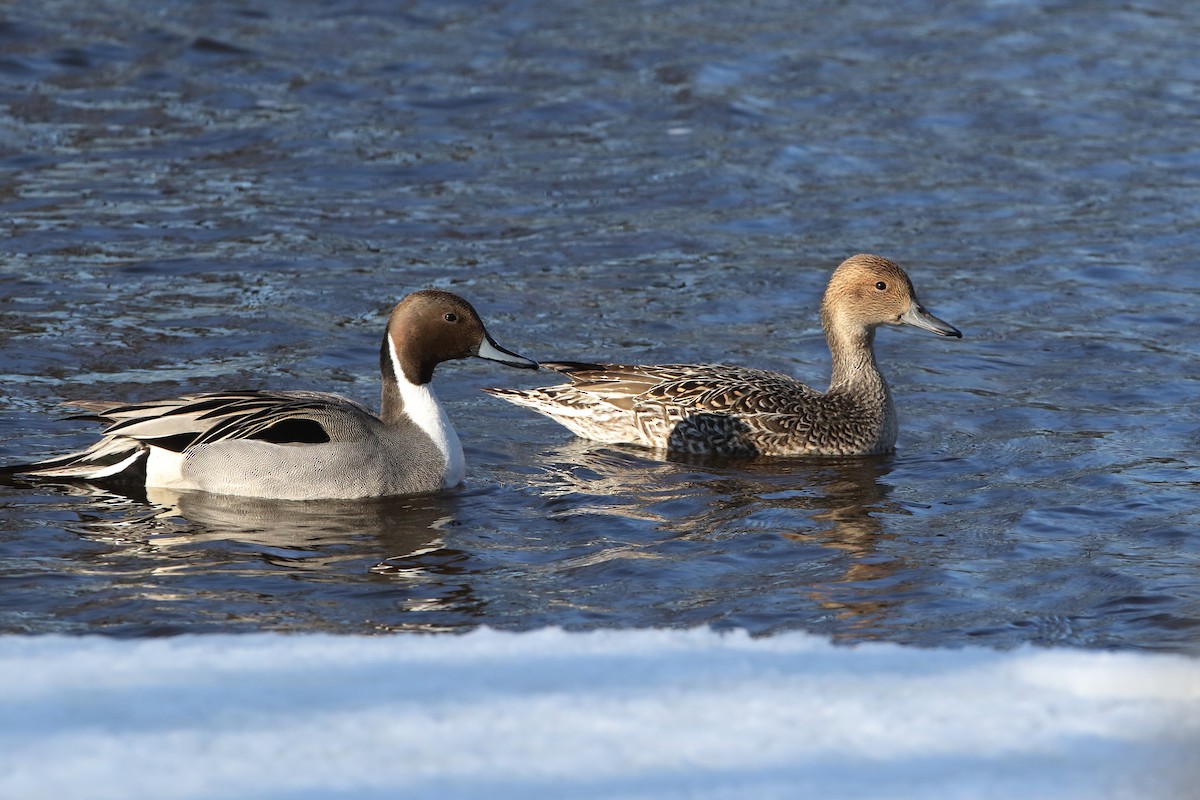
(208, 196)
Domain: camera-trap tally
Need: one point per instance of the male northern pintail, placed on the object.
(736, 411)
(297, 445)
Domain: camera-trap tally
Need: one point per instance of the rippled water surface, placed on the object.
(201, 196)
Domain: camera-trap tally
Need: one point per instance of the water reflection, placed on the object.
(679, 539)
(836, 505)
(399, 539)
(247, 561)
(819, 525)
(398, 524)
(842, 492)
(166, 518)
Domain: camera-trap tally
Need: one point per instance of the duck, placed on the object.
(715, 409)
(300, 445)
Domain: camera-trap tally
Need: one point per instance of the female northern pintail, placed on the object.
(296, 445)
(735, 411)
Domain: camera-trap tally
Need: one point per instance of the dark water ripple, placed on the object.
(203, 196)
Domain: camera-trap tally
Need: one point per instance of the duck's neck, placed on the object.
(406, 399)
(391, 405)
(856, 387)
(854, 367)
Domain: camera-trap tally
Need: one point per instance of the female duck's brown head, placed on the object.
(867, 291)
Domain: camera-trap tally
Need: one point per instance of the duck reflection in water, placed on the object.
(421, 573)
(392, 548)
(834, 509)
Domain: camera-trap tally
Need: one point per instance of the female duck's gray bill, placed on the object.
(493, 352)
(918, 317)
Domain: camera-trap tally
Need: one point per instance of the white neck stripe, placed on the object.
(422, 407)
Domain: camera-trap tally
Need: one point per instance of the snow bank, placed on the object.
(606, 714)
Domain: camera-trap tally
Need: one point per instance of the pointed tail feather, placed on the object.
(107, 458)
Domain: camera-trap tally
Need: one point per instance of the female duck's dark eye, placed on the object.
(451, 317)
(881, 286)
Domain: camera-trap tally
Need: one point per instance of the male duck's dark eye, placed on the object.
(451, 317)
(881, 286)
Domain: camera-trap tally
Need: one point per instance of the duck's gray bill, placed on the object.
(493, 352)
(918, 317)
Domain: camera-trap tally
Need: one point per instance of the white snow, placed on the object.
(606, 714)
